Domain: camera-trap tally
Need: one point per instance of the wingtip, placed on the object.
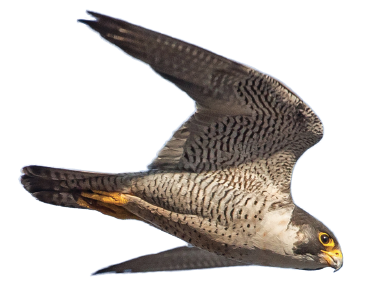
(103, 271)
(86, 22)
(92, 13)
(97, 273)
(96, 14)
(107, 271)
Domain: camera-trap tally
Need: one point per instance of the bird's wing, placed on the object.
(242, 115)
(180, 258)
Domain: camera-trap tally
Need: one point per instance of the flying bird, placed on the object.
(222, 182)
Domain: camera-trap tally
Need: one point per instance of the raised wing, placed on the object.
(242, 116)
(180, 258)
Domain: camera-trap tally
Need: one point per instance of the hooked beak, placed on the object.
(334, 258)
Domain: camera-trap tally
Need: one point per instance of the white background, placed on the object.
(70, 99)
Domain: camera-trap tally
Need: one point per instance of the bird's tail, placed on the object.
(76, 189)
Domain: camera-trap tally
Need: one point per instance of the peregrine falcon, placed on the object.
(222, 182)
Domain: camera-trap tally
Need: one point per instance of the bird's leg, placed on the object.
(108, 203)
(109, 197)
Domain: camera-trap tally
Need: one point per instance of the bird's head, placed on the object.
(315, 241)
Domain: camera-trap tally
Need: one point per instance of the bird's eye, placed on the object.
(326, 240)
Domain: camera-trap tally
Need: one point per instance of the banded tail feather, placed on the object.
(64, 187)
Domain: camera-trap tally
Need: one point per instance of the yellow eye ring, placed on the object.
(326, 240)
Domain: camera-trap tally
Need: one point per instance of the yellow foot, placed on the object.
(115, 198)
(106, 208)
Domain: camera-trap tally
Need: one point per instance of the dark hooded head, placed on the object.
(316, 241)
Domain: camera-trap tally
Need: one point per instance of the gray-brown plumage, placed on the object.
(180, 258)
(222, 182)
